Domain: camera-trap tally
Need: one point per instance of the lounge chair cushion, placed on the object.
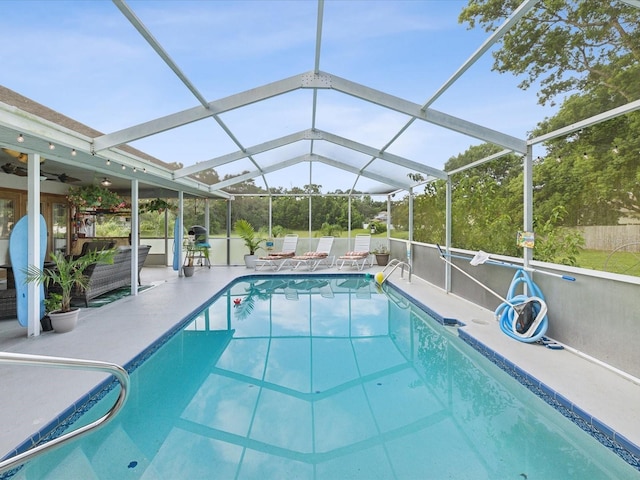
(355, 254)
(311, 255)
(278, 255)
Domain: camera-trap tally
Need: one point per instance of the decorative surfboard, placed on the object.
(176, 238)
(18, 253)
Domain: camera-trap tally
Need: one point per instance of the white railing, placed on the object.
(68, 363)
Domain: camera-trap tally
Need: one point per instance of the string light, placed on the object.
(108, 162)
(615, 149)
(73, 152)
(585, 156)
(20, 139)
(123, 167)
(51, 146)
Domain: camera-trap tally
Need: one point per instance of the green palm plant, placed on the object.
(67, 273)
(246, 231)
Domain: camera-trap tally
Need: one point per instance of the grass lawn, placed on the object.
(627, 263)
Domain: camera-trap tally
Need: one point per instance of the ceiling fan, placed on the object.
(12, 169)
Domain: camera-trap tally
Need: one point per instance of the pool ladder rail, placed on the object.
(68, 363)
(392, 266)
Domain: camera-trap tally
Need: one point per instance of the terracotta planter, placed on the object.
(63, 322)
(382, 259)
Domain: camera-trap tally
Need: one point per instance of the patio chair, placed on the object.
(276, 260)
(314, 259)
(360, 254)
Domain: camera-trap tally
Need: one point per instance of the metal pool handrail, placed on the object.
(392, 265)
(68, 363)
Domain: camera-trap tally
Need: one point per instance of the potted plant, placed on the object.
(246, 231)
(66, 274)
(188, 268)
(382, 254)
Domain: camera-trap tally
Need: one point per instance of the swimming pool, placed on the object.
(308, 377)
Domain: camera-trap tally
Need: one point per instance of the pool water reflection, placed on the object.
(328, 378)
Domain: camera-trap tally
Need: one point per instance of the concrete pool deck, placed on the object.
(32, 396)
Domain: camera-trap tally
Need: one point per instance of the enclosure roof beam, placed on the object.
(389, 157)
(429, 115)
(574, 127)
(194, 114)
(308, 158)
(240, 154)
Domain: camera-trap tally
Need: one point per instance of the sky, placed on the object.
(85, 60)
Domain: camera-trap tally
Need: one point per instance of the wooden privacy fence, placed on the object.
(608, 238)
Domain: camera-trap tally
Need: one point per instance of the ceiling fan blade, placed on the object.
(64, 178)
(12, 169)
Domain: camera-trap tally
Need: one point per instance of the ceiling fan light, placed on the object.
(105, 182)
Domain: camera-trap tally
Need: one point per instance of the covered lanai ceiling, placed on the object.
(346, 95)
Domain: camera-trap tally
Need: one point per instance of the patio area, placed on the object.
(35, 396)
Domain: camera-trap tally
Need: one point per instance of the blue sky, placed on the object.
(85, 60)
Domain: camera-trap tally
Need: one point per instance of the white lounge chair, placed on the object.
(276, 260)
(360, 254)
(312, 260)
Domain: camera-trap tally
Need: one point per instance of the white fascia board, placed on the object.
(238, 155)
(157, 175)
(633, 3)
(389, 157)
(29, 124)
(194, 114)
(428, 115)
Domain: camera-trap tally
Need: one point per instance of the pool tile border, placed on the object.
(608, 437)
(611, 439)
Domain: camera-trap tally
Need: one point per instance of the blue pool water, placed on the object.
(325, 378)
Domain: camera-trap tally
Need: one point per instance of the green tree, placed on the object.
(566, 45)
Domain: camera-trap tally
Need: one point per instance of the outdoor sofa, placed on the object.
(105, 277)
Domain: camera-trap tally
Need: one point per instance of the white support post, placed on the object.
(447, 233)
(410, 244)
(33, 241)
(527, 254)
(134, 236)
(207, 223)
(178, 240)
